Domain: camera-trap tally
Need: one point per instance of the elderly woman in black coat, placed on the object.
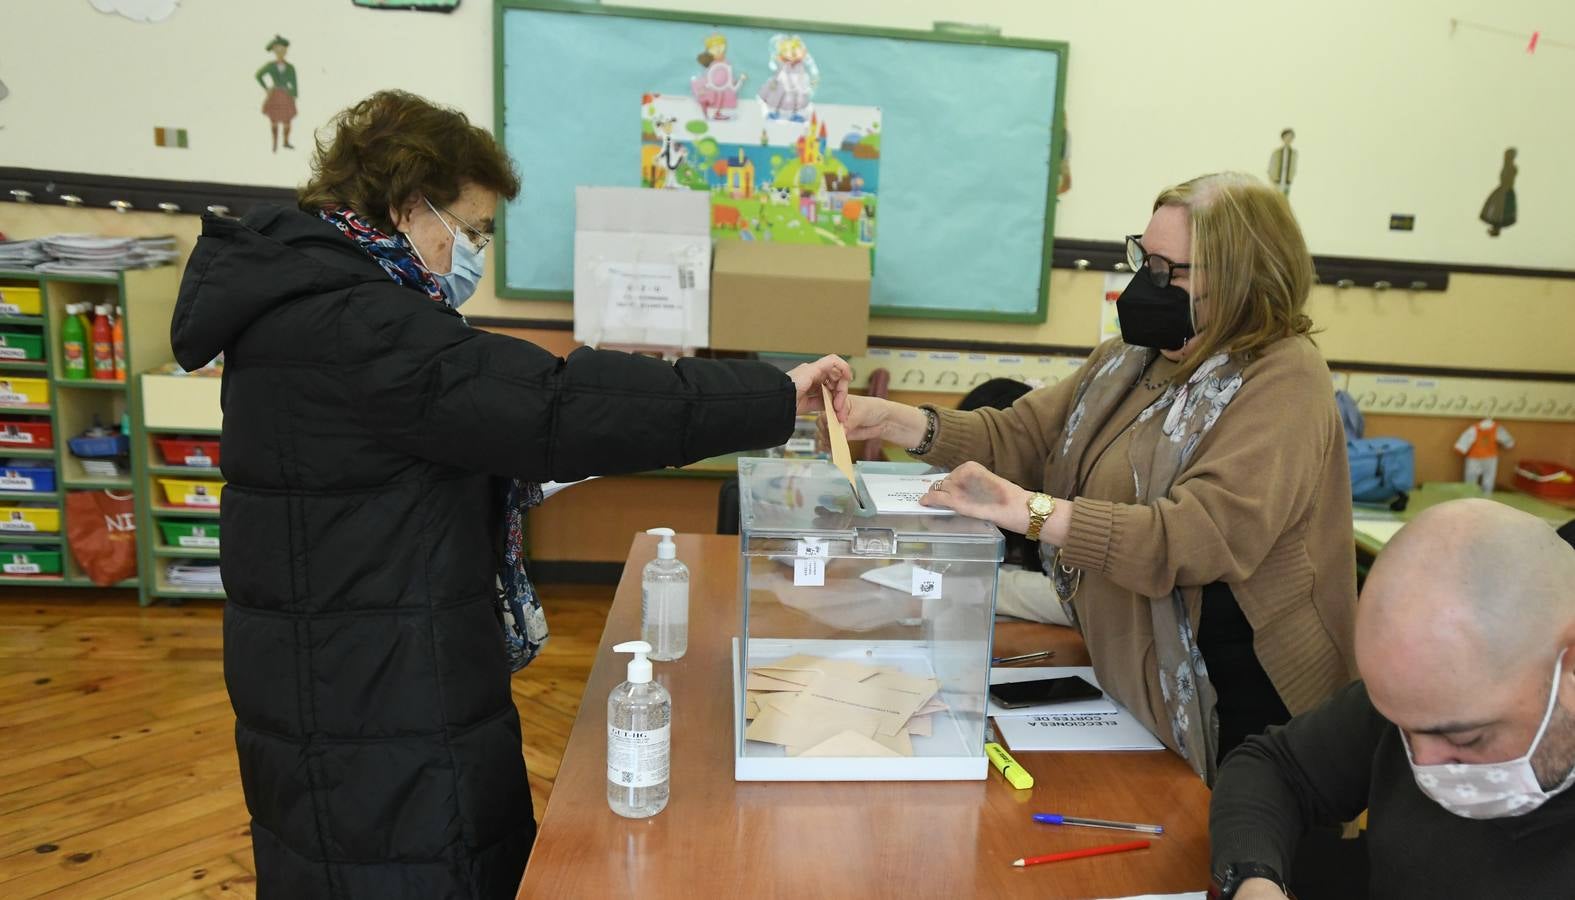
(380, 454)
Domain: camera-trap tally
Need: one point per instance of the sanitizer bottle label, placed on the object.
(637, 758)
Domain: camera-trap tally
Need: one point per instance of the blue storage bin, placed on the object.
(26, 477)
(109, 445)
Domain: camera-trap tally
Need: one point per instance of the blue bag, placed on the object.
(1383, 470)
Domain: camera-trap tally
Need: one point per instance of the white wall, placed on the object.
(1392, 113)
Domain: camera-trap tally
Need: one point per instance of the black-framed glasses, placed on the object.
(478, 238)
(1160, 269)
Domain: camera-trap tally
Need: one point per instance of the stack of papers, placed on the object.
(1100, 724)
(814, 706)
(87, 254)
(194, 575)
(21, 254)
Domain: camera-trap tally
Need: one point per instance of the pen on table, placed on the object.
(1015, 774)
(1056, 819)
(1079, 854)
(1026, 657)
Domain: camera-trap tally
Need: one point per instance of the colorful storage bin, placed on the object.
(17, 561)
(21, 301)
(193, 453)
(191, 535)
(26, 434)
(25, 477)
(17, 519)
(24, 391)
(21, 345)
(192, 494)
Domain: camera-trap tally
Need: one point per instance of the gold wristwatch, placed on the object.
(1040, 506)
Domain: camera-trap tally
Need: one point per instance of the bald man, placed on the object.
(1459, 741)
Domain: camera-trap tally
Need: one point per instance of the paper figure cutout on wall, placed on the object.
(716, 88)
(1499, 210)
(1479, 444)
(1064, 178)
(418, 5)
(278, 81)
(813, 182)
(145, 11)
(794, 77)
(1282, 162)
(670, 156)
(170, 137)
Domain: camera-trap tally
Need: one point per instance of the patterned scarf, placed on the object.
(518, 609)
(1191, 410)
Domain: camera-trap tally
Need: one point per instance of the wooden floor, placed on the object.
(117, 756)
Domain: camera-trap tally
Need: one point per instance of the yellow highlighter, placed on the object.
(1015, 775)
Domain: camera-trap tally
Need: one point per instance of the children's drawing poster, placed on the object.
(771, 178)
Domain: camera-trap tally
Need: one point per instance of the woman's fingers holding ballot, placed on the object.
(831, 371)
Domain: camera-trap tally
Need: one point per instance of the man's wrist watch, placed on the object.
(1229, 881)
(1040, 506)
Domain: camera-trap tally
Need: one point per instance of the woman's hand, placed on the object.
(832, 371)
(975, 491)
(872, 418)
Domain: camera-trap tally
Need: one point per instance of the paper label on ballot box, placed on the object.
(810, 572)
(637, 758)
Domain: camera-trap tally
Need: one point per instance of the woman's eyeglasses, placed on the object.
(1159, 269)
(480, 239)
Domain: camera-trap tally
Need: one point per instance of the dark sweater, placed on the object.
(1342, 757)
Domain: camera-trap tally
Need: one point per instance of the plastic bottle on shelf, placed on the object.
(73, 346)
(118, 334)
(103, 345)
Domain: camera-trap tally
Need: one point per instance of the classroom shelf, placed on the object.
(29, 496)
(30, 409)
(165, 551)
(79, 581)
(32, 580)
(165, 511)
(16, 453)
(122, 483)
(35, 321)
(24, 365)
(187, 472)
(162, 588)
(18, 538)
(87, 384)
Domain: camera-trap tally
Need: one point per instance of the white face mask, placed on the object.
(1491, 790)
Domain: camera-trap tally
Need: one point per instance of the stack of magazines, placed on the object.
(15, 255)
(194, 574)
(87, 254)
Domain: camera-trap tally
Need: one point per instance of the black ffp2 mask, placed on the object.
(1157, 317)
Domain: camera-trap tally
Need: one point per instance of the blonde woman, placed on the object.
(1189, 484)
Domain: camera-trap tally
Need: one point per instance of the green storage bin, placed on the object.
(16, 561)
(18, 345)
(191, 535)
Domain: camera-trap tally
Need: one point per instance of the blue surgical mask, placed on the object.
(465, 267)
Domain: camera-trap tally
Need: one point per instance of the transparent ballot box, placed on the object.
(865, 653)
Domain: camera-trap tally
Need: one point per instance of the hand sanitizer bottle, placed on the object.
(664, 601)
(639, 735)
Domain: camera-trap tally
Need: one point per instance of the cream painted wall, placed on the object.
(1392, 115)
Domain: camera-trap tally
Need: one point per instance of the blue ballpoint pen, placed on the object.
(1054, 819)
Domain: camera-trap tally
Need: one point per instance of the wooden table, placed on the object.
(1434, 493)
(722, 839)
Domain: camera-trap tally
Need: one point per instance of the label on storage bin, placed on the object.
(17, 523)
(195, 540)
(23, 568)
(10, 436)
(12, 352)
(202, 499)
(809, 572)
(10, 481)
(199, 461)
(637, 758)
(10, 309)
(12, 398)
(926, 584)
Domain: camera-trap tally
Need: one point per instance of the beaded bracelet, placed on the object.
(932, 421)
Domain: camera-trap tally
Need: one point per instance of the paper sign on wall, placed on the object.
(1109, 322)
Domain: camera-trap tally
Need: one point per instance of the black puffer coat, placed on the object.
(367, 430)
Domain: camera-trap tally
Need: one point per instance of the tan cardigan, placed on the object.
(1264, 505)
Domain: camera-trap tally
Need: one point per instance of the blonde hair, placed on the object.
(1253, 262)
(715, 42)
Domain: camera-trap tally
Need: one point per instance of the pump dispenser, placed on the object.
(639, 736)
(664, 600)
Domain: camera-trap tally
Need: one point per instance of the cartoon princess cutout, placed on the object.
(791, 90)
(716, 89)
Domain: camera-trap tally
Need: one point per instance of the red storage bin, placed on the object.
(1546, 479)
(26, 434)
(192, 453)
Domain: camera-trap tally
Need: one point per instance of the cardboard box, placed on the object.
(790, 298)
(641, 261)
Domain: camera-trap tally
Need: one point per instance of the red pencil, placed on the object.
(1079, 854)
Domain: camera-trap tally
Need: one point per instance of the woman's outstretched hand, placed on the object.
(831, 371)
